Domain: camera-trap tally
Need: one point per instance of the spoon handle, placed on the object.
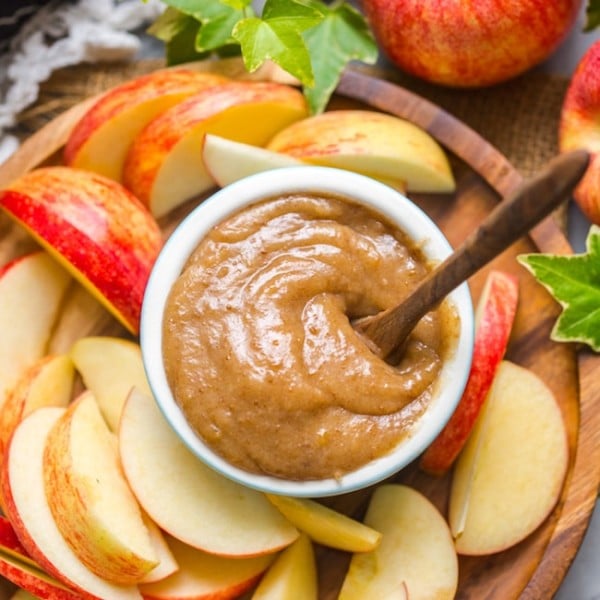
(511, 219)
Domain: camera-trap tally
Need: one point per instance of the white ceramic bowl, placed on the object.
(231, 199)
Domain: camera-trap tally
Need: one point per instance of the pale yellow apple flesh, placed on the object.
(100, 141)
(325, 525)
(510, 474)
(293, 575)
(227, 161)
(47, 382)
(91, 502)
(27, 508)
(164, 165)
(379, 145)
(31, 291)
(167, 564)
(188, 499)
(202, 575)
(110, 367)
(81, 313)
(416, 553)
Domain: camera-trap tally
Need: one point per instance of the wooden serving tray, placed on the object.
(534, 568)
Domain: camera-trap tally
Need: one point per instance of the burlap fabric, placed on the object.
(520, 117)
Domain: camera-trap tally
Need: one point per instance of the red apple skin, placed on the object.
(469, 44)
(26, 578)
(9, 539)
(172, 86)
(95, 227)
(579, 127)
(154, 142)
(22, 575)
(495, 316)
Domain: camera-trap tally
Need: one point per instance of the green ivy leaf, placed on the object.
(218, 20)
(342, 36)
(308, 39)
(179, 32)
(593, 15)
(192, 8)
(277, 37)
(574, 281)
(168, 25)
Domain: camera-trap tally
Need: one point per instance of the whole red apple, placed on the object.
(580, 128)
(469, 43)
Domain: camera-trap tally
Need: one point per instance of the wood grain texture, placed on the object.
(534, 568)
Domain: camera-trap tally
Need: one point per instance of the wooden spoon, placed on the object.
(512, 218)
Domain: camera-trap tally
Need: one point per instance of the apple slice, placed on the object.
(95, 228)
(101, 139)
(494, 319)
(293, 575)
(47, 382)
(110, 367)
(376, 144)
(416, 551)
(167, 565)
(186, 498)
(32, 580)
(227, 161)
(23, 489)
(164, 164)
(90, 499)
(510, 474)
(80, 315)
(31, 291)
(325, 525)
(203, 576)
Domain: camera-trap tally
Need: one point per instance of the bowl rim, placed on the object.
(286, 180)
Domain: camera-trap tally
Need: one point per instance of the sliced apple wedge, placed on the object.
(510, 474)
(416, 553)
(80, 315)
(47, 382)
(293, 575)
(186, 498)
(89, 498)
(203, 576)
(494, 319)
(167, 564)
(31, 291)
(327, 526)
(95, 228)
(23, 489)
(99, 142)
(376, 144)
(227, 161)
(164, 164)
(110, 367)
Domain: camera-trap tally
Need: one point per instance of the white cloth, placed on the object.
(60, 35)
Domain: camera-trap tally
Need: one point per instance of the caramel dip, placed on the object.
(259, 349)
